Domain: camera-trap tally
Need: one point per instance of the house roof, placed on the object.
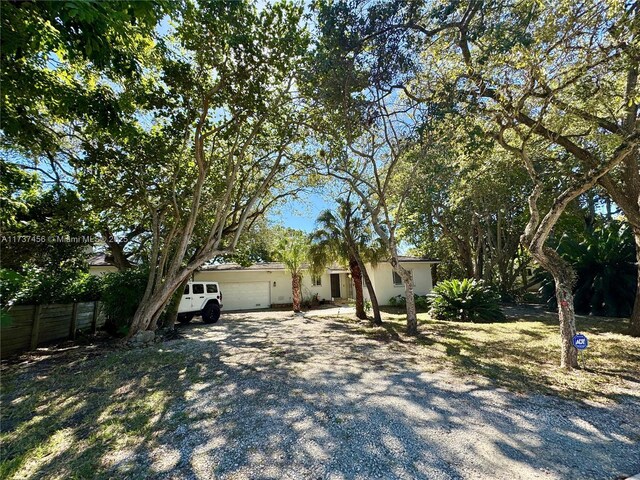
(104, 260)
(406, 258)
(235, 266)
(261, 267)
(268, 266)
(101, 260)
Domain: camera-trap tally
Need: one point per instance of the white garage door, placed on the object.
(245, 296)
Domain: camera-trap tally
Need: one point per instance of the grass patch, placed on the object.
(74, 418)
(523, 354)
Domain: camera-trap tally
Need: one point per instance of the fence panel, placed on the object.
(85, 315)
(55, 321)
(15, 332)
(25, 327)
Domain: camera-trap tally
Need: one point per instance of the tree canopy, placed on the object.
(476, 130)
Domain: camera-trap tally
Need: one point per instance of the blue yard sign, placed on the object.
(580, 341)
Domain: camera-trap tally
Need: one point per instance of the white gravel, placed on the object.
(295, 397)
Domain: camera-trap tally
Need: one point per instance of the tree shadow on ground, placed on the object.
(261, 398)
(522, 354)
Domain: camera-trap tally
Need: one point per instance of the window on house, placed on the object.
(397, 279)
(316, 281)
(198, 288)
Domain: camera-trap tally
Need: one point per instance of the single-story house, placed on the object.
(263, 285)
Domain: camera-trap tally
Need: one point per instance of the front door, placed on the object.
(335, 285)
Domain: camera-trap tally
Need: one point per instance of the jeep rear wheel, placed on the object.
(211, 313)
(185, 318)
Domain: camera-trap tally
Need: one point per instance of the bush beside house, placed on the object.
(466, 301)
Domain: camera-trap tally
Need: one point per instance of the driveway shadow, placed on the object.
(285, 397)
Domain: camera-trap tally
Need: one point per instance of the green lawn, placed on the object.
(523, 353)
(60, 418)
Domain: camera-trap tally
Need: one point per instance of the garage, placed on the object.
(245, 296)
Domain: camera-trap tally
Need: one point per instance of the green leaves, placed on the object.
(292, 250)
(466, 300)
(44, 286)
(603, 261)
(62, 64)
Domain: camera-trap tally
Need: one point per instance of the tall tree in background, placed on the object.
(61, 62)
(469, 205)
(183, 139)
(64, 68)
(238, 121)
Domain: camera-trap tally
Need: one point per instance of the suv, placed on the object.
(200, 298)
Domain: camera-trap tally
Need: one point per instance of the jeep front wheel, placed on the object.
(211, 313)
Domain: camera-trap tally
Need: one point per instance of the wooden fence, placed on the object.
(24, 327)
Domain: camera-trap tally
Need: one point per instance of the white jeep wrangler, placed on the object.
(200, 298)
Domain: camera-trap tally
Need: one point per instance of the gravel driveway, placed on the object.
(284, 396)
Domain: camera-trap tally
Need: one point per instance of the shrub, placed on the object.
(604, 263)
(37, 286)
(121, 295)
(466, 300)
(367, 306)
(10, 284)
(422, 302)
(84, 288)
(398, 301)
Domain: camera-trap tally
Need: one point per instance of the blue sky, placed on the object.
(301, 213)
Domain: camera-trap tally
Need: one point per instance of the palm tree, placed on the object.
(293, 251)
(343, 235)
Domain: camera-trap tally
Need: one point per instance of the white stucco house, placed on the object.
(267, 284)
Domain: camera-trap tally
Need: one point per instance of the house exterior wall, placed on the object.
(98, 271)
(280, 293)
(382, 279)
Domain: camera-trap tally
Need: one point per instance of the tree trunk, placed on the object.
(566, 315)
(377, 318)
(564, 279)
(634, 327)
(146, 314)
(120, 261)
(356, 275)
(296, 283)
(172, 309)
(464, 253)
(478, 260)
(412, 318)
(149, 311)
